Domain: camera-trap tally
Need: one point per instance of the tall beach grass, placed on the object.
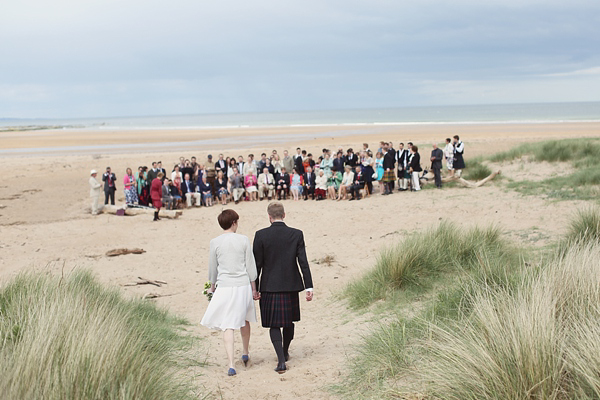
(72, 338)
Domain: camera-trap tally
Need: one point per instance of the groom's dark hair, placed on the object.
(227, 218)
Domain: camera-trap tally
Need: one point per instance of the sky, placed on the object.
(94, 58)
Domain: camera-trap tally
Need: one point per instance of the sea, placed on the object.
(468, 114)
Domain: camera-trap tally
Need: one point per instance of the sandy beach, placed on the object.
(46, 225)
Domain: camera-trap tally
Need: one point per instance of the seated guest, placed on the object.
(221, 187)
(357, 184)
(321, 185)
(206, 191)
(167, 199)
(347, 181)
(188, 192)
(175, 192)
(266, 184)
(296, 185)
(251, 184)
(309, 183)
(236, 180)
(283, 184)
(308, 162)
(415, 168)
(333, 184)
(177, 182)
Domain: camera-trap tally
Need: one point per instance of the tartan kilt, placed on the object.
(279, 309)
(389, 176)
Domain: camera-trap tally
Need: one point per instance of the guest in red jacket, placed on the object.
(156, 194)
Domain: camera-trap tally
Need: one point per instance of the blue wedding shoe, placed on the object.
(231, 372)
(245, 359)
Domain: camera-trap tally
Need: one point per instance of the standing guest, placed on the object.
(402, 156)
(299, 161)
(449, 155)
(351, 159)
(288, 161)
(459, 162)
(195, 166)
(266, 184)
(221, 187)
(379, 169)
(211, 172)
(156, 194)
(309, 162)
(381, 145)
(237, 185)
(251, 184)
(129, 182)
(268, 165)
(298, 154)
(221, 165)
(199, 173)
(262, 163)
(181, 162)
(110, 188)
(167, 198)
(143, 189)
(240, 165)
(333, 184)
(367, 163)
(437, 155)
(278, 251)
(95, 190)
(296, 185)
(415, 168)
(152, 172)
(309, 183)
(347, 181)
(160, 168)
(389, 164)
(277, 166)
(175, 192)
(327, 165)
(250, 166)
(206, 192)
(283, 184)
(357, 184)
(176, 173)
(187, 169)
(366, 147)
(230, 166)
(321, 185)
(338, 162)
(188, 192)
(232, 274)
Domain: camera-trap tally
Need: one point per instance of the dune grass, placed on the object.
(504, 328)
(476, 170)
(72, 338)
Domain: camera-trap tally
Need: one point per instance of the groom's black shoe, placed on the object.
(281, 368)
(287, 356)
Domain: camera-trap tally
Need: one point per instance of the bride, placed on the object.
(232, 274)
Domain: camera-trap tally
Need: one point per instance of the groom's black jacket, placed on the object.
(278, 251)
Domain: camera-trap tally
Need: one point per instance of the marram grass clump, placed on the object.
(72, 338)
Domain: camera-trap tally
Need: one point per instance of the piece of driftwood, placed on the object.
(156, 295)
(144, 281)
(430, 179)
(121, 252)
(110, 209)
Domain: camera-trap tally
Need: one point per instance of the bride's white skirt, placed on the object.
(230, 308)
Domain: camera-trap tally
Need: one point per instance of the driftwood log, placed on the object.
(430, 179)
(120, 252)
(144, 281)
(110, 209)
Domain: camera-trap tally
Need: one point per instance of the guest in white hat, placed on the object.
(95, 191)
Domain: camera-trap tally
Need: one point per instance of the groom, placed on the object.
(278, 251)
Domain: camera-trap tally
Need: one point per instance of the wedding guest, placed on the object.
(129, 182)
(195, 166)
(176, 173)
(241, 165)
(221, 165)
(283, 184)
(160, 168)
(277, 166)
(357, 184)
(415, 168)
(296, 185)
(366, 147)
(175, 191)
(351, 159)
(338, 162)
(211, 173)
(288, 161)
(206, 192)
(143, 189)
(379, 169)
(321, 185)
(251, 184)
(402, 157)
(299, 161)
(266, 184)
(250, 166)
(347, 181)
(188, 192)
(327, 165)
(167, 198)
(459, 163)
(156, 194)
(437, 155)
(309, 183)
(232, 274)
(221, 187)
(367, 163)
(262, 163)
(309, 162)
(389, 166)
(333, 184)
(236, 181)
(268, 165)
(110, 188)
(187, 169)
(152, 173)
(231, 164)
(95, 190)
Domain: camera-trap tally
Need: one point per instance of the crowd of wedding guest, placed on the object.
(335, 175)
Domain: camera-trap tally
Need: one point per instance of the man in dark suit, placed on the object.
(402, 156)
(338, 162)
(152, 173)
(283, 273)
(221, 165)
(188, 192)
(309, 183)
(357, 184)
(389, 165)
(283, 184)
(110, 187)
(436, 165)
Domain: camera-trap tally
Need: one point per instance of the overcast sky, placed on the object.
(87, 58)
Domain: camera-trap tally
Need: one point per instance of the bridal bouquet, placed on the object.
(206, 291)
